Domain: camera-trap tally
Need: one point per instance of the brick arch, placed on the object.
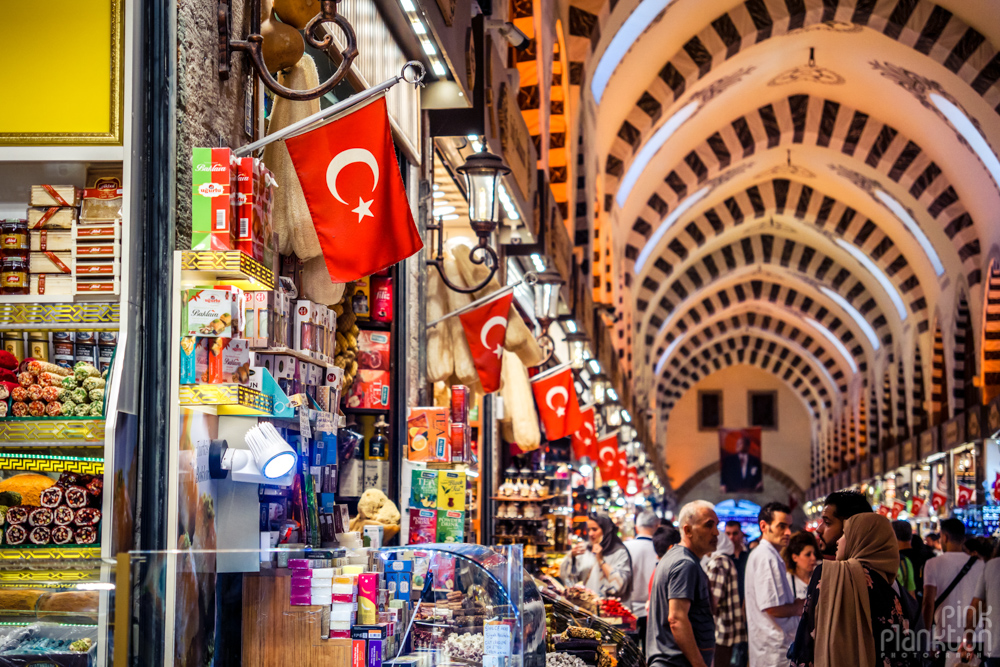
(784, 254)
(674, 383)
(771, 322)
(810, 120)
(714, 468)
(766, 361)
(782, 196)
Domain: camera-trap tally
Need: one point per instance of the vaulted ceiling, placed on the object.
(807, 186)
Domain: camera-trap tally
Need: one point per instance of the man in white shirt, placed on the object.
(939, 573)
(643, 565)
(772, 610)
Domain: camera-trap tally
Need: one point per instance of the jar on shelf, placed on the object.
(13, 342)
(38, 345)
(14, 274)
(14, 237)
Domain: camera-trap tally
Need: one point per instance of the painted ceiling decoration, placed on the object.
(804, 119)
(805, 186)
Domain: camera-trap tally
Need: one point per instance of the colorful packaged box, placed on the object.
(373, 350)
(361, 300)
(359, 657)
(450, 527)
(367, 597)
(201, 359)
(189, 367)
(370, 390)
(236, 361)
(423, 489)
(254, 201)
(305, 328)
(210, 312)
(216, 347)
(451, 490)
(423, 526)
(427, 435)
(212, 195)
(399, 584)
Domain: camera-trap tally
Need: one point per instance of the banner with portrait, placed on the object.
(740, 457)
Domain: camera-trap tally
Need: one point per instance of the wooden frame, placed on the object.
(712, 392)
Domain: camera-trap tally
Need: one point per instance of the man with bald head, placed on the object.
(681, 630)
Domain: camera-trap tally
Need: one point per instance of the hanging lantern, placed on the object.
(613, 414)
(482, 173)
(578, 352)
(599, 386)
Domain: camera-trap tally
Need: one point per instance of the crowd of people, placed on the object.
(863, 591)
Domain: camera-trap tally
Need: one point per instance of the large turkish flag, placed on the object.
(558, 405)
(353, 160)
(485, 329)
(607, 457)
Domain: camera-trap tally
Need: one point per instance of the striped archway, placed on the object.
(940, 411)
(919, 416)
(991, 334)
(964, 391)
(902, 424)
(888, 436)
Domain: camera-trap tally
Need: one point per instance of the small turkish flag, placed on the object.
(897, 507)
(938, 500)
(558, 405)
(353, 159)
(965, 495)
(621, 473)
(485, 329)
(584, 441)
(632, 481)
(607, 456)
(917, 504)
(884, 510)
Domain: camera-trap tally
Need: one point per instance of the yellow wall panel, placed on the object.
(61, 72)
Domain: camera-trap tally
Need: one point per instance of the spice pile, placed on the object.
(48, 390)
(67, 511)
(615, 613)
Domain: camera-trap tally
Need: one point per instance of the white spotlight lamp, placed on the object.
(268, 459)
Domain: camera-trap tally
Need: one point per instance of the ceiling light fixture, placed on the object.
(667, 223)
(911, 225)
(650, 149)
(637, 22)
(855, 315)
(890, 289)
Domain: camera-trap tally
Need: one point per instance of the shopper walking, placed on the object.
(800, 559)
(772, 610)
(730, 619)
(906, 576)
(852, 616)
(985, 609)
(681, 629)
(838, 508)
(611, 576)
(950, 582)
(643, 555)
(734, 531)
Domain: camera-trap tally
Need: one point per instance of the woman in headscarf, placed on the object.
(611, 576)
(724, 586)
(852, 615)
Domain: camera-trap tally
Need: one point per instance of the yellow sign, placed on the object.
(61, 73)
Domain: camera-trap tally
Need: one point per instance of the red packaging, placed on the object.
(459, 403)
(373, 350)
(370, 390)
(254, 201)
(459, 441)
(382, 297)
(423, 526)
(215, 352)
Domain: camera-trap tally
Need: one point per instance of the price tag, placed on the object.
(305, 431)
(496, 639)
(324, 423)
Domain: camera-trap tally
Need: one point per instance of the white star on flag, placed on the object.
(560, 412)
(364, 209)
(498, 351)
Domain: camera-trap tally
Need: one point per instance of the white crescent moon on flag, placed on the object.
(590, 427)
(344, 158)
(554, 392)
(607, 452)
(497, 321)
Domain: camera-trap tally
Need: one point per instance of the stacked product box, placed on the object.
(318, 381)
(437, 507)
(212, 348)
(74, 237)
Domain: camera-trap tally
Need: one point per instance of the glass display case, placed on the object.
(475, 606)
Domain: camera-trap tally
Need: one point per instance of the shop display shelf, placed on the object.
(512, 518)
(288, 352)
(368, 325)
(233, 266)
(45, 463)
(49, 432)
(38, 314)
(228, 399)
(518, 499)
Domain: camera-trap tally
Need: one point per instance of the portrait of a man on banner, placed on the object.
(740, 454)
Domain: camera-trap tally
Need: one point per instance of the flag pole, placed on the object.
(492, 296)
(551, 371)
(415, 77)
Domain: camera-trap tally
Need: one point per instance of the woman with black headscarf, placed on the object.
(611, 576)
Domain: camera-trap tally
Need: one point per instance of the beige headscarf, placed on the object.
(843, 614)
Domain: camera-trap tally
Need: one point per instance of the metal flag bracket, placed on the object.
(413, 72)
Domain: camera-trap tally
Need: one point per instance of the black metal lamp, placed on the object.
(546, 291)
(482, 172)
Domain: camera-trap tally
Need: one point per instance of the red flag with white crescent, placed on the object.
(632, 481)
(917, 504)
(965, 495)
(584, 441)
(353, 160)
(884, 510)
(938, 500)
(607, 456)
(897, 507)
(621, 473)
(485, 329)
(558, 405)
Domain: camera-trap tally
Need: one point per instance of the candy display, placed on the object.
(62, 535)
(63, 516)
(49, 390)
(68, 509)
(40, 516)
(15, 535)
(40, 536)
